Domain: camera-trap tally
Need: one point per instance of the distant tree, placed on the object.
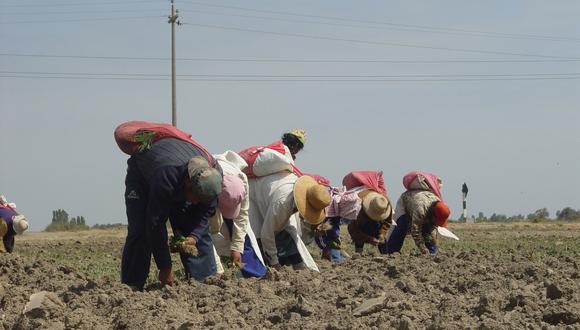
(568, 214)
(498, 218)
(61, 222)
(481, 217)
(541, 214)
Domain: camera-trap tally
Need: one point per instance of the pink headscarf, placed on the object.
(431, 180)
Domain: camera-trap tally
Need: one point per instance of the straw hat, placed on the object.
(376, 206)
(312, 199)
(299, 134)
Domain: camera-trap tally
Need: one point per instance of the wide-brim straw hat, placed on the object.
(312, 199)
(376, 206)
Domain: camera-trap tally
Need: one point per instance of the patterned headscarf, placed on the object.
(344, 203)
(422, 181)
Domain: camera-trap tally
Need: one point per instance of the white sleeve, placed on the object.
(275, 221)
(240, 224)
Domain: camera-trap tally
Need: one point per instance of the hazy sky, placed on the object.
(504, 115)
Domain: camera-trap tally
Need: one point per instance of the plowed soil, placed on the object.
(496, 277)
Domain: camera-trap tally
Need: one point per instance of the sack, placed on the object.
(371, 179)
(266, 160)
(136, 136)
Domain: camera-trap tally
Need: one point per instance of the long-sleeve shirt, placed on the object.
(271, 205)
(417, 204)
(164, 168)
(232, 164)
(365, 230)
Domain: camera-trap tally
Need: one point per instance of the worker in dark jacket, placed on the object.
(11, 224)
(176, 180)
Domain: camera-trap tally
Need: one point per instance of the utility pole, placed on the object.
(173, 20)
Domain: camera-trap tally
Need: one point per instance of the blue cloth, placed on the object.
(252, 266)
(397, 238)
(329, 241)
(203, 265)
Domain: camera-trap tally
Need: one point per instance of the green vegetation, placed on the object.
(61, 222)
(540, 215)
(109, 226)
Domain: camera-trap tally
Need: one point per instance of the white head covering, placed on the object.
(19, 224)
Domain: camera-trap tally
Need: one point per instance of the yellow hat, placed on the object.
(312, 199)
(377, 206)
(300, 134)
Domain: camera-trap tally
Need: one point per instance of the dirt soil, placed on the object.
(462, 287)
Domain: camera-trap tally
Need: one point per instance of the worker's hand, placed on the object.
(190, 240)
(375, 241)
(189, 246)
(424, 250)
(236, 257)
(166, 276)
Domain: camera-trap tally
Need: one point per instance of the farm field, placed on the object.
(499, 276)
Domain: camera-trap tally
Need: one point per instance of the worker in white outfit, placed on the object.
(275, 200)
(230, 226)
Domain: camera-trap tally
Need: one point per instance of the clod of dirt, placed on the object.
(43, 311)
(553, 291)
(370, 306)
(561, 315)
(302, 307)
(403, 323)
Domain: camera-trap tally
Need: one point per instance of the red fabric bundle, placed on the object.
(125, 136)
(371, 179)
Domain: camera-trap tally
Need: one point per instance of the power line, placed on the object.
(275, 60)
(82, 12)
(74, 4)
(291, 76)
(293, 80)
(82, 20)
(381, 43)
(531, 36)
(409, 29)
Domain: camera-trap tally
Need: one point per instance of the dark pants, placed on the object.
(397, 238)
(136, 258)
(371, 228)
(8, 242)
(287, 250)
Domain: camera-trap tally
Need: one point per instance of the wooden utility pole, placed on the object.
(173, 20)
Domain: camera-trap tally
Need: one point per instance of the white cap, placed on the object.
(19, 224)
